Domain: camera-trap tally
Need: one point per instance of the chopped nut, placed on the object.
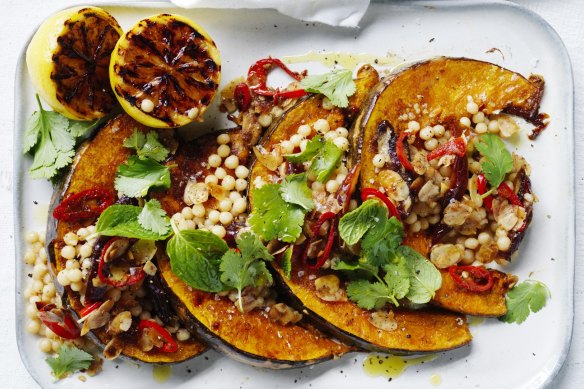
(456, 213)
(397, 189)
(428, 192)
(98, 318)
(283, 314)
(445, 255)
(195, 193)
(507, 125)
(328, 288)
(113, 349)
(150, 268)
(121, 323)
(420, 162)
(383, 320)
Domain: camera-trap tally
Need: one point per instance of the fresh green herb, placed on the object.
(356, 223)
(287, 261)
(69, 360)
(313, 146)
(295, 190)
(530, 295)
(425, 279)
(382, 239)
(195, 257)
(51, 137)
(246, 267)
(326, 161)
(137, 176)
(337, 85)
(147, 145)
(369, 295)
(123, 220)
(407, 274)
(498, 162)
(153, 218)
(274, 218)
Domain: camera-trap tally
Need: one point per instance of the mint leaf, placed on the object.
(147, 145)
(369, 295)
(355, 224)
(397, 278)
(153, 218)
(530, 295)
(498, 162)
(137, 176)
(326, 161)
(273, 218)
(69, 360)
(313, 146)
(122, 220)
(359, 266)
(337, 85)
(425, 279)
(194, 258)
(294, 190)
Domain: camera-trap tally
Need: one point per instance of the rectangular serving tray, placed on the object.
(501, 355)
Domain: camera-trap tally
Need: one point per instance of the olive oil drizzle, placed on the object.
(391, 366)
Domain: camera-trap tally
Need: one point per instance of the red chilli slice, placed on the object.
(87, 204)
(58, 320)
(476, 279)
(170, 345)
(135, 274)
(367, 193)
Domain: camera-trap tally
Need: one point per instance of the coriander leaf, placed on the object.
(326, 161)
(498, 162)
(122, 220)
(246, 268)
(526, 296)
(397, 278)
(381, 240)
(153, 218)
(137, 176)
(252, 248)
(147, 146)
(356, 223)
(295, 190)
(361, 269)
(69, 360)
(368, 295)
(50, 137)
(287, 261)
(82, 129)
(274, 218)
(313, 146)
(425, 279)
(337, 85)
(194, 258)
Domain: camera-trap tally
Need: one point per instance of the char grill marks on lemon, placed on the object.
(68, 60)
(165, 71)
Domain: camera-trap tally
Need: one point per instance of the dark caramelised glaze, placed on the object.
(95, 165)
(81, 63)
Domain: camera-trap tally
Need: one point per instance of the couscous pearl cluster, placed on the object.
(427, 213)
(40, 289)
(215, 216)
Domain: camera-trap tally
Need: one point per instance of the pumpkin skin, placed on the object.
(443, 84)
(95, 165)
(424, 330)
(250, 338)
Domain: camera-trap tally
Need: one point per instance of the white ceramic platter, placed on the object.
(501, 355)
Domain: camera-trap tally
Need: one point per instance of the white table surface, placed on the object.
(19, 17)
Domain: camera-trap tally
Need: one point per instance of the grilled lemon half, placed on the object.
(165, 71)
(68, 59)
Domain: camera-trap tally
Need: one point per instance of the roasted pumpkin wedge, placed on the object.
(415, 331)
(95, 166)
(250, 337)
(406, 139)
